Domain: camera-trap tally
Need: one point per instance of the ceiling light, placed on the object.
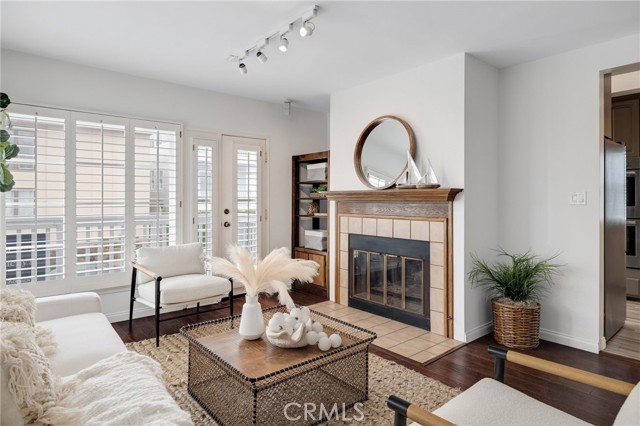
(261, 56)
(242, 68)
(307, 28)
(284, 44)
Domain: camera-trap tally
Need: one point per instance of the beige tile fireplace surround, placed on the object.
(411, 214)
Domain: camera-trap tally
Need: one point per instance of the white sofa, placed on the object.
(84, 337)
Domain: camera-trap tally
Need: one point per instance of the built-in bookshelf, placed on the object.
(310, 214)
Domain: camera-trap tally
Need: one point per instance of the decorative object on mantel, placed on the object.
(516, 286)
(413, 178)
(273, 274)
(296, 330)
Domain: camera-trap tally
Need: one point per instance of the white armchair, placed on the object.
(175, 276)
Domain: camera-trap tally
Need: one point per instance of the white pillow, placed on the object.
(182, 259)
(629, 414)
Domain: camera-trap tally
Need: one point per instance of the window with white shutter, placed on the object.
(155, 181)
(35, 220)
(100, 197)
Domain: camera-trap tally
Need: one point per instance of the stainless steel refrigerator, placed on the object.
(615, 287)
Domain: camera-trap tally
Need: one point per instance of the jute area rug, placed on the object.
(385, 378)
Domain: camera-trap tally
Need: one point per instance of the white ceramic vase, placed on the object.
(251, 321)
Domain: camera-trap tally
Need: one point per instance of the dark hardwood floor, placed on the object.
(465, 366)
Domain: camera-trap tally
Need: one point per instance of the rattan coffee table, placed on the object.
(242, 382)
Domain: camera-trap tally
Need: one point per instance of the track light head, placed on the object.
(307, 29)
(242, 68)
(261, 56)
(284, 44)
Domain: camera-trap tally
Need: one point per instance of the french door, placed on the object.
(229, 194)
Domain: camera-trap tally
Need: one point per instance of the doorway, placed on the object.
(229, 193)
(622, 271)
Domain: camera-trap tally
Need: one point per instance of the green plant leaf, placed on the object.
(11, 151)
(7, 188)
(519, 277)
(5, 175)
(4, 135)
(4, 100)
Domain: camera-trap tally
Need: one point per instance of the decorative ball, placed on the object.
(290, 321)
(317, 327)
(274, 327)
(324, 344)
(335, 340)
(288, 328)
(312, 337)
(277, 320)
(323, 334)
(305, 311)
(295, 312)
(278, 315)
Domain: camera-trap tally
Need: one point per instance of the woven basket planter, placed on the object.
(516, 327)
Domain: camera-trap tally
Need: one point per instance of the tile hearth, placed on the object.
(410, 342)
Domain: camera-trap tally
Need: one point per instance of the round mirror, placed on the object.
(381, 152)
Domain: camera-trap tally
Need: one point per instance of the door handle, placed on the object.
(226, 224)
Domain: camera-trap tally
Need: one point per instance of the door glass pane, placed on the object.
(204, 221)
(247, 199)
(360, 274)
(376, 277)
(414, 285)
(394, 281)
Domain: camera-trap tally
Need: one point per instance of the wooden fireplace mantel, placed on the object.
(438, 195)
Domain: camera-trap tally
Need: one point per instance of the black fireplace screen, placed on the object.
(389, 277)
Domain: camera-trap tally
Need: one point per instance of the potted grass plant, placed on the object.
(515, 282)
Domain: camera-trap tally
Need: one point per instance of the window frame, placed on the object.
(71, 282)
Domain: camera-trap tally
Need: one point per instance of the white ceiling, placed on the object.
(354, 42)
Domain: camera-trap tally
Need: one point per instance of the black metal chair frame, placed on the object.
(157, 279)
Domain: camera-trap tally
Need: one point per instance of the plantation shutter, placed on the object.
(100, 197)
(155, 180)
(35, 208)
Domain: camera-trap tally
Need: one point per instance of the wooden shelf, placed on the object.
(439, 195)
(312, 182)
(310, 250)
(302, 183)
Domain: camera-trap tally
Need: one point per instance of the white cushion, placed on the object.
(82, 341)
(185, 289)
(170, 261)
(65, 305)
(490, 402)
(629, 413)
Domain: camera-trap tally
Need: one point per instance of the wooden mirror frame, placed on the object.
(357, 156)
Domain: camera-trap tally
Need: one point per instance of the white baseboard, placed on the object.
(565, 339)
(478, 332)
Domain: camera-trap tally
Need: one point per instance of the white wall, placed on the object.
(431, 99)
(550, 146)
(480, 185)
(38, 80)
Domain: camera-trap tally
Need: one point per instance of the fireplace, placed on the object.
(423, 216)
(390, 277)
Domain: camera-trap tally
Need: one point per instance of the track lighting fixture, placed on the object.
(262, 57)
(284, 44)
(307, 29)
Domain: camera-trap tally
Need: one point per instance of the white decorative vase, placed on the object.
(251, 321)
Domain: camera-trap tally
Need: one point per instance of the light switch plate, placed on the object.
(578, 199)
